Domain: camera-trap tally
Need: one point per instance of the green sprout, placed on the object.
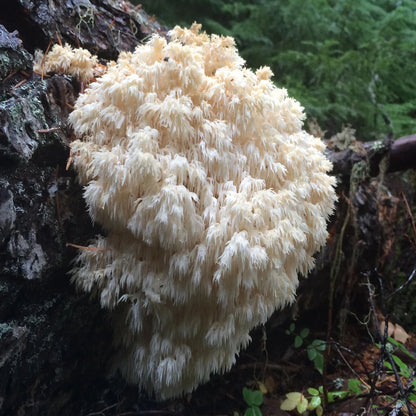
(254, 399)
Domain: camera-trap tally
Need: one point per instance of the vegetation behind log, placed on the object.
(348, 63)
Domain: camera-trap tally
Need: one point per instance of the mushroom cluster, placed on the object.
(213, 199)
(64, 59)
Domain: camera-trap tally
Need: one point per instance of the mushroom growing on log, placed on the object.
(213, 197)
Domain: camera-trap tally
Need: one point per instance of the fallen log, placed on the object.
(400, 153)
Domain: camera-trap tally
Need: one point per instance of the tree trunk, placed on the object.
(55, 344)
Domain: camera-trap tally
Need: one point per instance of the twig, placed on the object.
(8, 76)
(272, 366)
(87, 248)
(338, 348)
(384, 351)
(264, 349)
(379, 363)
(52, 129)
(409, 213)
(101, 412)
(68, 164)
(58, 38)
(403, 285)
(42, 64)
(19, 84)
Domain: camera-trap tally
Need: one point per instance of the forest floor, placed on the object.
(358, 375)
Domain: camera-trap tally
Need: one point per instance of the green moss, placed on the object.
(13, 60)
(85, 12)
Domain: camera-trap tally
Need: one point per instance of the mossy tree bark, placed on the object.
(55, 344)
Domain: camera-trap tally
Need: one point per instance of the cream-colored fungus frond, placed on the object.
(213, 197)
(64, 59)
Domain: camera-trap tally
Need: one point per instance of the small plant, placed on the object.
(312, 401)
(296, 400)
(404, 371)
(314, 349)
(299, 338)
(254, 399)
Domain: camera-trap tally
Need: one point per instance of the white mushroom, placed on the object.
(64, 59)
(213, 197)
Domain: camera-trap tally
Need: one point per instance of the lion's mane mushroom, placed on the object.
(64, 59)
(213, 198)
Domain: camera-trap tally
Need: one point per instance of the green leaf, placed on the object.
(292, 400)
(404, 369)
(314, 403)
(400, 346)
(354, 385)
(247, 395)
(304, 333)
(319, 411)
(302, 406)
(287, 404)
(333, 395)
(319, 344)
(312, 353)
(292, 327)
(319, 362)
(313, 392)
(250, 411)
(252, 397)
(257, 411)
(253, 411)
(298, 341)
(257, 398)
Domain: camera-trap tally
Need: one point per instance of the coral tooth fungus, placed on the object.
(213, 199)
